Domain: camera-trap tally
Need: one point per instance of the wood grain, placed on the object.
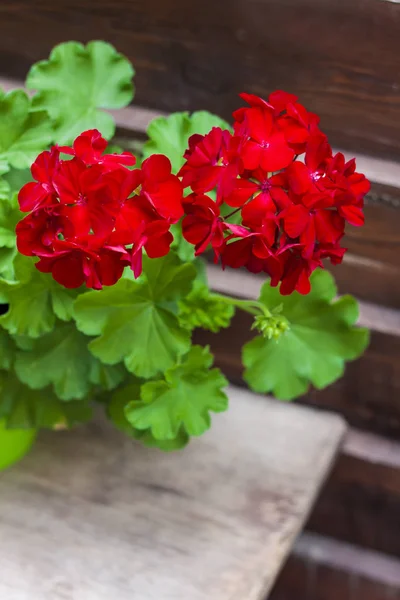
(341, 57)
(90, 514)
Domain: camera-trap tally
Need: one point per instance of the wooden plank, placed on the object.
(192, 54)
(323, 569)
(360, 502)
(90, 514)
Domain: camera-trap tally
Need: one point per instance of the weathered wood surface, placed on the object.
(341, 57)
(91, 515)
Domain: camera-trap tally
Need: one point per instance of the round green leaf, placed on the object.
(321, 337)
(76, 81)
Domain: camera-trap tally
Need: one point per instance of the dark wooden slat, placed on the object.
(360, 503)
(341, 57)
(368, 279)
(379, 238)
(322, 569)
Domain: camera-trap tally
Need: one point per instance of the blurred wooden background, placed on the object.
(343, 59)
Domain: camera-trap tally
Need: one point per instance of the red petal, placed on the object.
(251, 154)
(243, 190)
(109, 268)
(66, 270)
(299, 178)
(353, 215)
(33, 195)
(277, 155)
(236, 254)
(259, 123)
(157, 167)
(296, 218)
(167, 200)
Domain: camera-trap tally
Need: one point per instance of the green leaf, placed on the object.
(5, 189)
(182, 400)
(24, 133)
(320, 338)
(24, 408)
(9, 217)
(184, 250)
(7, 350)
(108, 377)
(136, 321)
(76, 81)
(14, 180)
(116, 412)
(61, 359)
(201, 308)
(170, 135)
(35, 300)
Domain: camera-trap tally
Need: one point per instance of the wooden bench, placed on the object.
(91, 515)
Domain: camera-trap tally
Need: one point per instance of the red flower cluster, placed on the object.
(90, 215)
(293, 211)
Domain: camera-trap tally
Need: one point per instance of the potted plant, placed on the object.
(102, 271)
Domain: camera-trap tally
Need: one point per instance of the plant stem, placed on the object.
(233, 212)
(252, 307)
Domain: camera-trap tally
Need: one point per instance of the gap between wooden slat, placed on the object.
(373, 566)
(137, 118)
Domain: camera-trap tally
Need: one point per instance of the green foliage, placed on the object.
(320, 338)
(25, 408)
(129, 345)
(136, 321)
(7, 350)
(12, 182)
(5, 189)
(169, 410)
(24, 132)
(116, 412)
(201, 308)
(61, 359)
(170, 135)
(35, 300)
(76, 81)
(9, 217)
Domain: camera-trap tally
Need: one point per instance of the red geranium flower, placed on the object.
(265, 146)
(34, 195)
(89, 148)
(211, 162)
(163, 190)
(73, 263)
(203, 224)
(91, 216)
